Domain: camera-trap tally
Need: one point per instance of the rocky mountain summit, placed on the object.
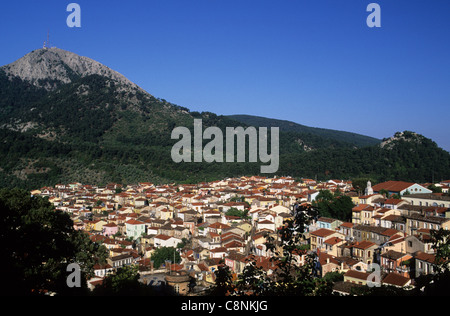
(50, 67)
(406, 136)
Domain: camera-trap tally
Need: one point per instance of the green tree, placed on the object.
(337, 205)
(236, 212)
(38, 245)
(334, 276)
(124, 282)
(438, 283)
(223, 284)
(434, 188)
(292, 279)
(360, 184)
(288, 278)
(185, 242)
(163, 254)
(323, 201)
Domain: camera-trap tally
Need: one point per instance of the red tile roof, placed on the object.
(361, 207)
(356, 274)
(425, 257)
(322, 232)
(134, 222)
(163, 237)
(396, 279)
(392, 186)
(333, 240)
(364, 244)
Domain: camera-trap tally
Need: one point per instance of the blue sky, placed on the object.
(314, 62)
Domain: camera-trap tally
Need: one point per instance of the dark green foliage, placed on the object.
(16, 94)
(235, 212)
(334, 205)
(411, 161)
(163, 254)
(360, 184)
(38, 244)
(224, 282)
(288, 278)
(124, 282)
(434, 188)
(95, 131)
(334, 276)
(313, 136)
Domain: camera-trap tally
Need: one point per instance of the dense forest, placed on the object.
(313, 136)
(93, 130)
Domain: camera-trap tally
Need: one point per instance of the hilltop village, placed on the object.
(227, 221)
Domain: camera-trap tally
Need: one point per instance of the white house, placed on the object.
(280, 209)
(428, 200)
(266, 224)
(102, 270)
(219, 252)
(165, 241)
(237, 205)
(135, 228)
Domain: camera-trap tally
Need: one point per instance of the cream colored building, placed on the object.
(427, 200)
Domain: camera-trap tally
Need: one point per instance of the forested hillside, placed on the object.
(97, 127)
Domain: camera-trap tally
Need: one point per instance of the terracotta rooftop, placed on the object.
(392, 186)
(322, 232)
(395, 279)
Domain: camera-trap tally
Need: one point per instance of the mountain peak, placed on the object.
(406, 136)
(49, 67)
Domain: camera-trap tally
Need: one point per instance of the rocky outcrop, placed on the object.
(49, 67)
